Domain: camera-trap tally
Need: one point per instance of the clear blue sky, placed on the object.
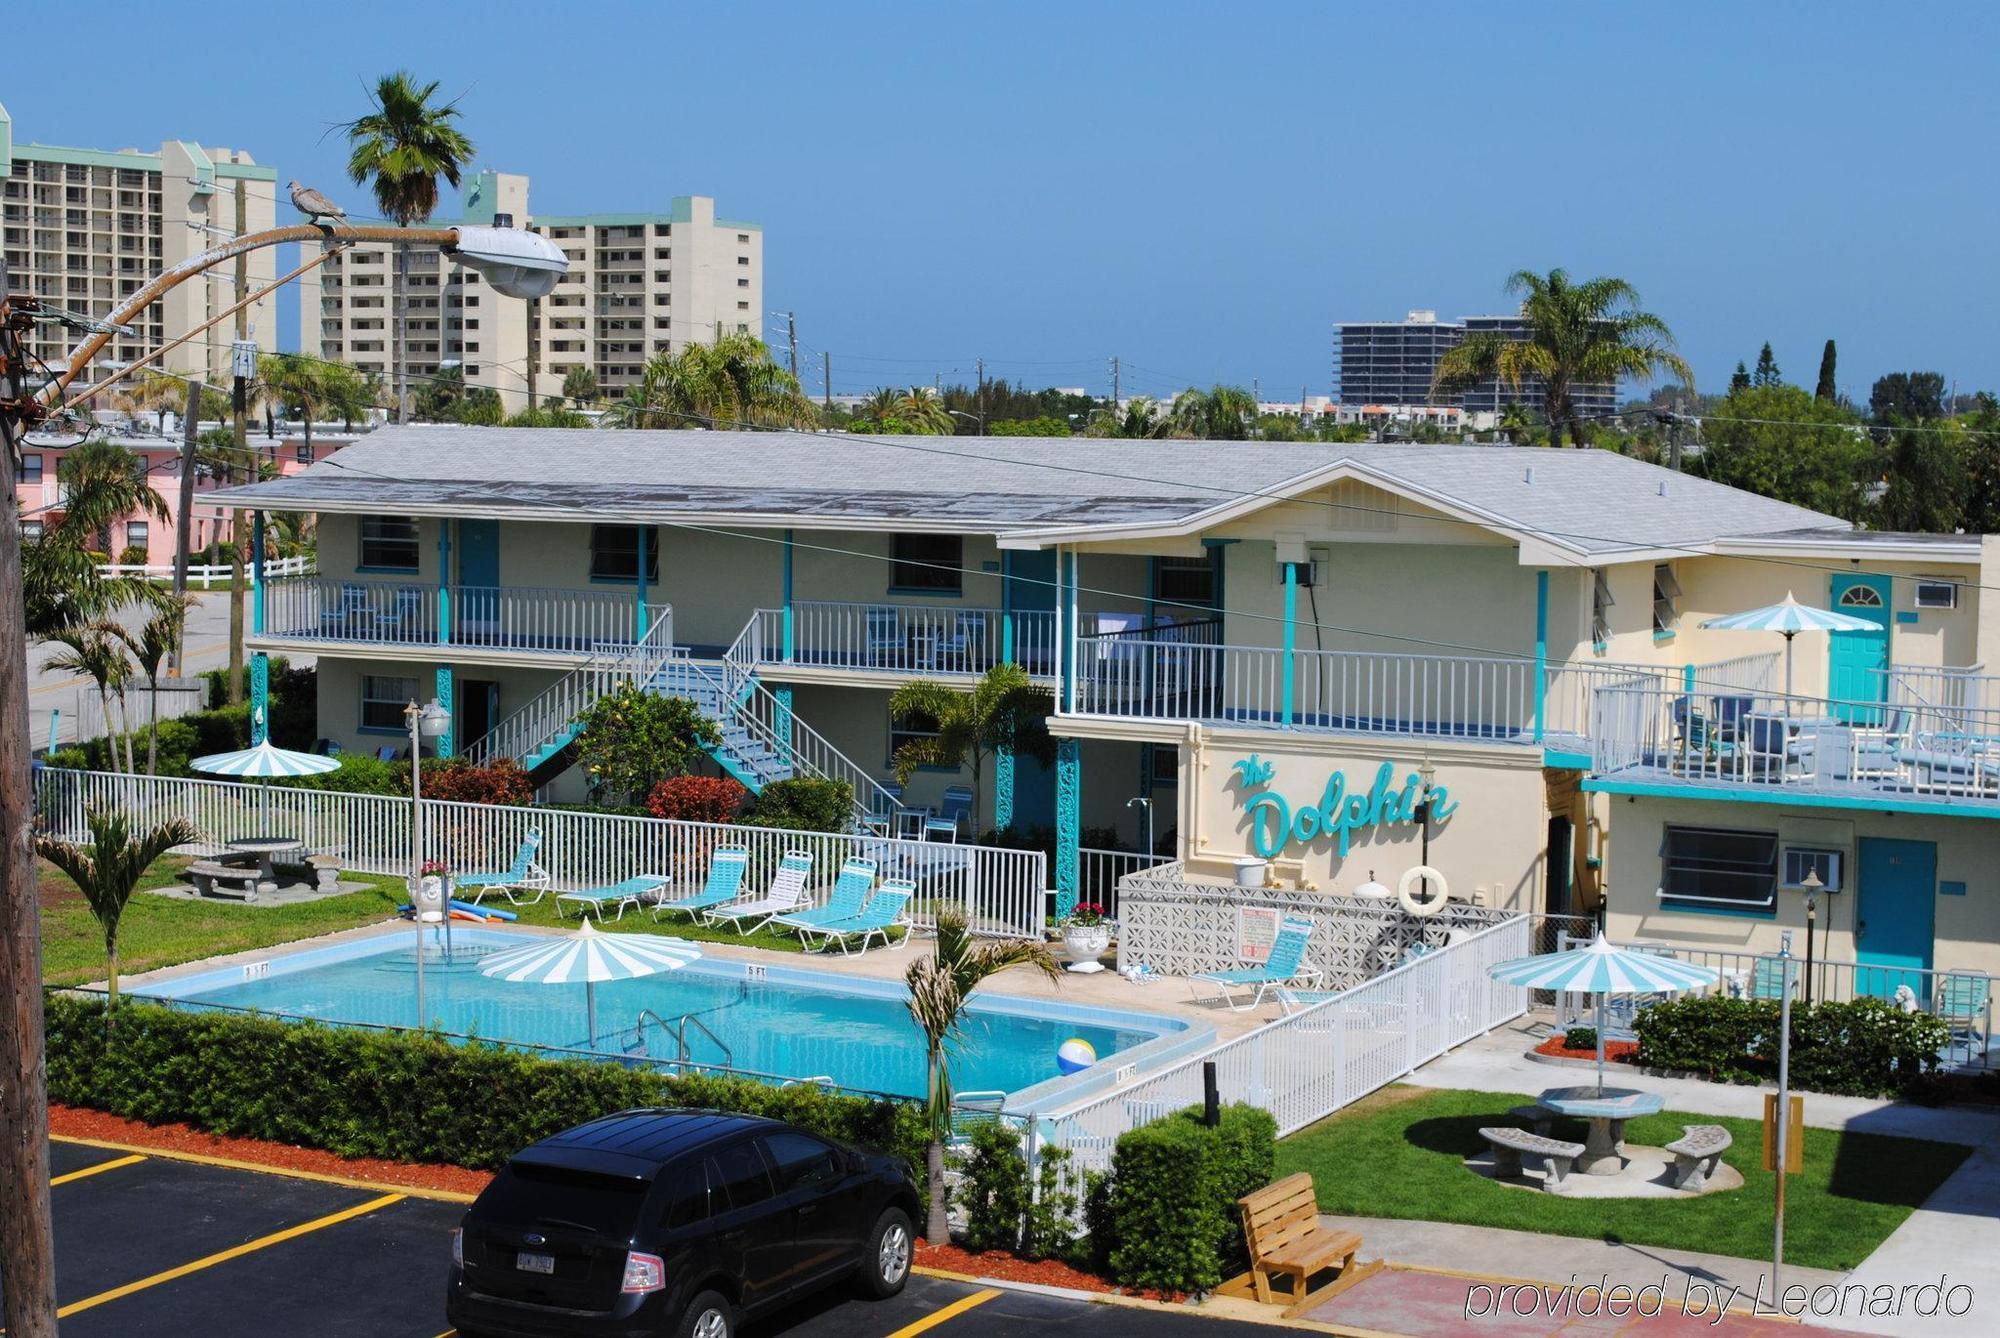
(1201, 189)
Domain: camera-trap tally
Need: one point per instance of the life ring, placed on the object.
(1406, 888)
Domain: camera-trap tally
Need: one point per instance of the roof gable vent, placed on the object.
(1663, 487)
(1528, 475)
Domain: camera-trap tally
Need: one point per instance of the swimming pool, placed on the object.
(782, 1021)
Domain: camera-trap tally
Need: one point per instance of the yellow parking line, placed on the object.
(102, 1166)
(235, 1252)
(950, 1312)
(258, 1168)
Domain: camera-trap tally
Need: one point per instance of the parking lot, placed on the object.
(149, 1245)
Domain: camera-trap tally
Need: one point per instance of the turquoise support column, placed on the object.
(444, 583)
(1285, 712)
(1003, 788)
(260, 698)
(257, 572)
(1007, 605)
(639, 605)
(1541, 652)
(1687, 679)
(781, 718)
(447, 742)
(786, 634)
(1069, 821)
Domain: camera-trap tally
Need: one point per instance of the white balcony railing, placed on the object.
(406, 613)
(912, 639)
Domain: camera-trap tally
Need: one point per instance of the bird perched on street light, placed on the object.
(315, 206)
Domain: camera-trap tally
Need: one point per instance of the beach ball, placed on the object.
(1075, 1055)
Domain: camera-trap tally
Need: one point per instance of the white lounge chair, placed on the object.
(787, 894)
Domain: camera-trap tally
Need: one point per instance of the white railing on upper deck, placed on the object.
(1940, 688)
(520, 618)
(912, 639)
(1000, 891)
(1306, 1066)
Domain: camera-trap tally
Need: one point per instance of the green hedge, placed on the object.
(412, 1098)
(1864, 1047)
(1171, 1204)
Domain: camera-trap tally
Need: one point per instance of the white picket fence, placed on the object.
(1305, 1066)
(208, 574)
(1001, 892)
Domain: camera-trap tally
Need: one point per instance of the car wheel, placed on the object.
(709, 1315)
(886, 1265)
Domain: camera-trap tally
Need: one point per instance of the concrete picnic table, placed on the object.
(267, 852)
(1606, 1109)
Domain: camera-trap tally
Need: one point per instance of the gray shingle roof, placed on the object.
(1592, 501)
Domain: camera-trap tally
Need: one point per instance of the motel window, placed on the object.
(31, 469)
(614, 553)
(136, 534)
(1719, 869)
(911, 729)
(1600, 607)
(383, 701)
(1666, 598)
(31, 531)
(388, 543)
(930, 563)
(304, 453)
(1163, 764)
(1179, 580)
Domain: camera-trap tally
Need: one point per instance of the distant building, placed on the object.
(1393, 363)
(84, 229)
(638, 284)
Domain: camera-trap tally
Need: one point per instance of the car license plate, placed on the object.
(535, 1263)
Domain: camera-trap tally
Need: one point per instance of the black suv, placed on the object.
(675, 1222)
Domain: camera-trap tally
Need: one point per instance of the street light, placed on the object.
(428, 721)
(1141, 801)
(1813, 886)
(978, 418)
(1426, 777)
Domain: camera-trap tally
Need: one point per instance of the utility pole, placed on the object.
(239, 397)
(980, 363)
(1114, 383)
(792, 342)
(27, 1242)
(184, 515)
(826, 373)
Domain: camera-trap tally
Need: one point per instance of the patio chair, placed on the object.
(1876, 750)
(965, 647)
(631, 892)
(349, 604)
(954, 810)
(1768, 747)
(524, 875)
(886, 910)
(787, 894)
(1767, 979)
(1962, 1003)
(849, 895)
(724, 884)
(1729, 714)
(386, 753)
(1697, 748)
(1951, 763)
(884, 628)
(1286, 964)
(402, 617)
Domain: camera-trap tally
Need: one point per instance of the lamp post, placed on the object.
(1141, 801)
(978, 418)
(1813, 885)
(1426, 777)
(428, 721)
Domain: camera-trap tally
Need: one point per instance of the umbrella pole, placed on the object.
(1788, 672)
(590, 1010)
(1600, 1043)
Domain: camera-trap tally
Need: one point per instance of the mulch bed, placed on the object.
(1004, 1266)
(1615, 1052)
(75, 1122)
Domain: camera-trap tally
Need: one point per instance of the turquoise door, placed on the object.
(478, 578)
(1893, 915)
(1857, 661)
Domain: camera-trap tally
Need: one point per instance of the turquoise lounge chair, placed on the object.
(631, 892)
(1286, 964)
(886, 910)
(849, 895)
(1962, 1003)
(954, 809)
(524, 876)
(725, 883)
(787, 894)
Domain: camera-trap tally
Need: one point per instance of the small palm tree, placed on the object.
(939, 987)
(1004, 710)
(150, 646)
(94, 651)
(404, 145)
(1220, 413)
(922, 412)
(732, 383)
(579, 386)
(107, 870)
(1578, 334)
(1141, 419)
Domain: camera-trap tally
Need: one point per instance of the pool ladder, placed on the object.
(678, 1030)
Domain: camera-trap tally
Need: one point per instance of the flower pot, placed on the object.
(431, 894)
(1084, 944)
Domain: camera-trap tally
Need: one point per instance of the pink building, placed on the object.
(40, 493)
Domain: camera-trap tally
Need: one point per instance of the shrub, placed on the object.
(995, 1190)
(359, 773)
(499, 782)
(804, 805)
(1580, 1038)
(407, 1097)
(134, 555)
(1865, 1047)
(1172, 1202)
(697, 799)
(1051, 1210)
(631, 739)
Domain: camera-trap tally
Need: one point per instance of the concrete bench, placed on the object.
(204, 875)
(1697, 1153)
(1538, 1118)
(1508, 1145)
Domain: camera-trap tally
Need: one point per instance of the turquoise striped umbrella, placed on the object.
(264, 762)
(587, 956)
(1604, 969)
(1788, 618)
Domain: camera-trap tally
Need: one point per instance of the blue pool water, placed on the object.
(791, 1023)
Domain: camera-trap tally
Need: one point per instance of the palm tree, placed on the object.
(1220, 413)
(94, 651)
(732, 383)
(1578, 334)
(579, 386)
(150, 646)
(309, 383)
(1004, 710)
(939, 987)
(922, 412)
(107, 871)
(1140, 420)
(103, 483)
(405, 144)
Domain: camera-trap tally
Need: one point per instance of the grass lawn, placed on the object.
(1398, 1153)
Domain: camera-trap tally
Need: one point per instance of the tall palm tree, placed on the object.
(94, 651)
(108, 869)
(103, 483)
(939, 987)
(923, 412)
(150, 647)
(404, 145)
(294, 380)
(1578, 334)
(1141, 419)
(1005, 709)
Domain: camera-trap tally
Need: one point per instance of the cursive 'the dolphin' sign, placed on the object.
(1275, 823)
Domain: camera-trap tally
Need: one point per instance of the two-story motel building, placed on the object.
(1335, 656)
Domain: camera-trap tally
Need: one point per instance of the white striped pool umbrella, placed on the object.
(1788, 618)
(263, 763)
(590, 957)
(1604, 969)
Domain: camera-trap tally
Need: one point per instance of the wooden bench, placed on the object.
(1697, 1153)
(1282, 1229)
(1508, 1145)
(205, 874)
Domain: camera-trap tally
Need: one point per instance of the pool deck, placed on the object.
(1105, 989)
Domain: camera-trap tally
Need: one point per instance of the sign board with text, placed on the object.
(1795, 1134)
(1256, 931)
